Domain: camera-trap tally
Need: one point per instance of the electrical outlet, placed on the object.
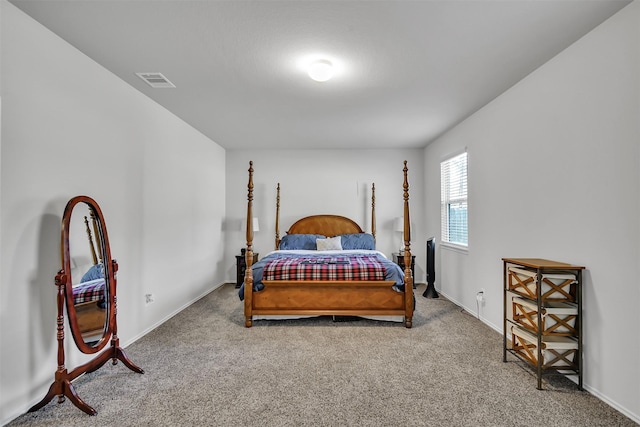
(148, 298)
(480, 295)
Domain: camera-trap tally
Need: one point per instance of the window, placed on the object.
(453, 200)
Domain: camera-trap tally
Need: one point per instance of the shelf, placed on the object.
(557, 319)
(543, 314)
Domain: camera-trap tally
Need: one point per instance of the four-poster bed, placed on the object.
(327, 265)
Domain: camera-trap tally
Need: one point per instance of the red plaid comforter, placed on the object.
(352, 267)
(88, 291)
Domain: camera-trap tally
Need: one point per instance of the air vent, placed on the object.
(156, 80)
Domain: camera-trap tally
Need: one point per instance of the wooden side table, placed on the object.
(241, 266)
(399, 259)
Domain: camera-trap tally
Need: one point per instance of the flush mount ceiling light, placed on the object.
(320, 70)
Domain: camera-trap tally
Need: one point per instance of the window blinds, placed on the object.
(453, 199)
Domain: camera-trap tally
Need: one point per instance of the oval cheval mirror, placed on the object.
(87, 307)
(87, 286)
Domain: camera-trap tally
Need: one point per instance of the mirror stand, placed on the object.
(89, 295)
(62, 385)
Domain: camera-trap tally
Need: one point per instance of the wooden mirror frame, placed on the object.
(110, 268)
(62, 386)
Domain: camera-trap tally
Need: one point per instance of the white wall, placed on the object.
(554, 173)
(70, 127)
(325, 181)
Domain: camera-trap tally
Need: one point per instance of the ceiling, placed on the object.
(406, 71)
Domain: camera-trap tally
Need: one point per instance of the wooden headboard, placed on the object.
(327, 225)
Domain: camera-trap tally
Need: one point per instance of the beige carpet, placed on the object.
(204, 368)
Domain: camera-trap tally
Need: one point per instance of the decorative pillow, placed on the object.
(330, 244)
(299, 241)
(95, 272)
(358, 241)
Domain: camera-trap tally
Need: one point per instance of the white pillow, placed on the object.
(330, 244)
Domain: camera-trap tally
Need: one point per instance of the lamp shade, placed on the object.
(398, 224)
(255, 225)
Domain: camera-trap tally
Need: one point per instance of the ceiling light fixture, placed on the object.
(320, 70)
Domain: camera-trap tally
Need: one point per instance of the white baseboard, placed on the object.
(169, 316)
(472, 311)
(593, 391)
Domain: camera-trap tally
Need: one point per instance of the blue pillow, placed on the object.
(95, 272)
(300, 241)
(358, 241)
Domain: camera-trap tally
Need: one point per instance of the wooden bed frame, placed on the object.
(337, 298)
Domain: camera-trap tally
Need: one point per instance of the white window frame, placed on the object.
(450, 195)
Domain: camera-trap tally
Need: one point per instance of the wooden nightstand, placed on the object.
(241, 266)
(399, 259)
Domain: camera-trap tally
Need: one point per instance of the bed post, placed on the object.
(278, 218)
(408, 276)
(248, 275)
(96, 233)
(373, 211)
(90, 237)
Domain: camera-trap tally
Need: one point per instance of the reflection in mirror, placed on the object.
(90, 289)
